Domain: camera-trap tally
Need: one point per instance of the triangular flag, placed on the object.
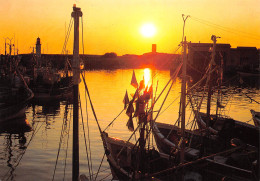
(130, 109)
(141, 86)
(134, 81)
(126, 100)
(130, 123)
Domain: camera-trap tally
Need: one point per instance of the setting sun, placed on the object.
(148, 30)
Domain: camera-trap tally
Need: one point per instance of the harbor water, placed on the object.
(29, 146)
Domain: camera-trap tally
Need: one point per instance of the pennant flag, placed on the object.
(130, 124)
(140, 108)
(126, 100)
(134, 81)
(130, 109)
(141, 86)
(136, 109)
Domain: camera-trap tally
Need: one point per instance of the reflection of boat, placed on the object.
(14, 142)
(236, 163)
(256, 117)
(48, 108)
(14, 102)
(15, 126)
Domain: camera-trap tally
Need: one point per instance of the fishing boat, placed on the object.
(140, 160)
(14, 92)
(227, 127)
(232, 158)
(256, 117)
(46, 81)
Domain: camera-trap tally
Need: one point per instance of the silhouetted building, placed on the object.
(245, 58)
(153, 48)
(199, 55)
(38, 48)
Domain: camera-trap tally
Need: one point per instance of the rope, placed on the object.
(90, 168)
(92, 107)
(174, 76)
(99, 167)
(251, 98)
(67, 36)
(61, 136)
(114, 120)
(193, 162)
(106, 176)
(230, 30)
(66, 154)
(88, 130)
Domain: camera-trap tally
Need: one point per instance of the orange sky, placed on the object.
(114, 25)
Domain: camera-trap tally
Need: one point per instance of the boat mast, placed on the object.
(76, 79)
(214, 39)
(183, 99)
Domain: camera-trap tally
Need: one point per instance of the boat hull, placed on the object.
(165, 136)
(228, 128)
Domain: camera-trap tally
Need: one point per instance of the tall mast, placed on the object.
(214, 39)
(183, 98)
(76, 79)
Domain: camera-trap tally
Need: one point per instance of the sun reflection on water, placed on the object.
(147, 77)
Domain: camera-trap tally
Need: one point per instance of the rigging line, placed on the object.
(251, 98)
(177, 121)
(100, 166)
(67, 36)
(89, 168)
(169, 105)
(114, 119)
(88, 129)
(65, 164)
(106, 177)
(163, 103)
(225, 28)
(86, 87)
(57, 158)
(172, 77)
(160, 109)
(195, 161)
(101, 171)
(165, 62)
(127, 141)
(249, 120)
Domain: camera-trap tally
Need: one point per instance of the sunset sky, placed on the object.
(114, 25)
